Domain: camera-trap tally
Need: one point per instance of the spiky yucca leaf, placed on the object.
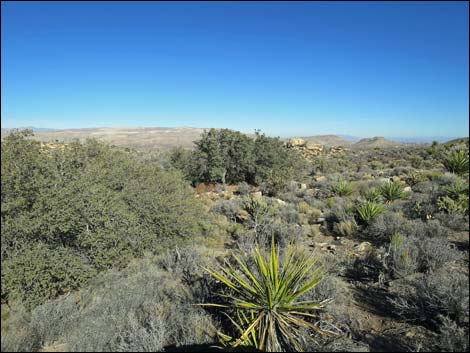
(457, 162)
(368, 210)
(265, 297)
(343, 188)
(391, 191)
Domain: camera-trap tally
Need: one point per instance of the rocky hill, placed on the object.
(374, 142)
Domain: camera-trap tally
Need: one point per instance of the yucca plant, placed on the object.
(456, 189)
(368, 210)
(373, 195)
(391, 191)
(265, 296)
(343, 188)
(457, 162)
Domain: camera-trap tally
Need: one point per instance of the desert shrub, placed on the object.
(368, 211)
(454, 206)
(283, 234)
(139, 308)
(342, 188)
(391, 191)
(384, 226)
(185, 263)
(368, 267)
(17, 333)
(228, 208)
(457, 162)
(425, 298)
(434, 253)
(415, 178)
(407, 255)
(346, 228)
(455, 222)
(42, 273)
(89, 199)
(452, 337)
(290, 214)
(428, 229)
(401, 259)
(53, 320)
(244, 188)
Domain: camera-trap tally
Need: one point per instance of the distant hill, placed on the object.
(143, 139)
(374, 142)
(463, 141)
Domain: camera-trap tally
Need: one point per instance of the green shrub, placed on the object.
(346, 228)
(454, 206)
(457, 162)
(342, 188)
(42, 273)
(367, 211)
(424, 299)
(402, 259)
(89, 199)
(141, 308)
(373, 195)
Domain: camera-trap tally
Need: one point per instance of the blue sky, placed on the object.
(287, 68)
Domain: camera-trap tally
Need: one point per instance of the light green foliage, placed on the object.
(346, 228)
(368, 210)
(391, 191)
(264, 295)
(456, 200)
(373, 195)
(457, 162)
(342, 188)
(454, 206)
(402, 259)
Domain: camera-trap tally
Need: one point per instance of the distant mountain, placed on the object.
(425, 139)
(373, 142)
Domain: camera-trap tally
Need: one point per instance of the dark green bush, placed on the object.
(93, 200)
(41, 273)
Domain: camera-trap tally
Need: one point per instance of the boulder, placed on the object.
(242, 216)
(294, 142)
(280, 202)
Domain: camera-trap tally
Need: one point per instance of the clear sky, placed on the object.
(287, 68)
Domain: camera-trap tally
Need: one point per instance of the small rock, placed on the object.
(280, 202)
(407, 189)
(363, 247)
(302, 186)
(256, 194)
(320, 178)
(242, 216)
